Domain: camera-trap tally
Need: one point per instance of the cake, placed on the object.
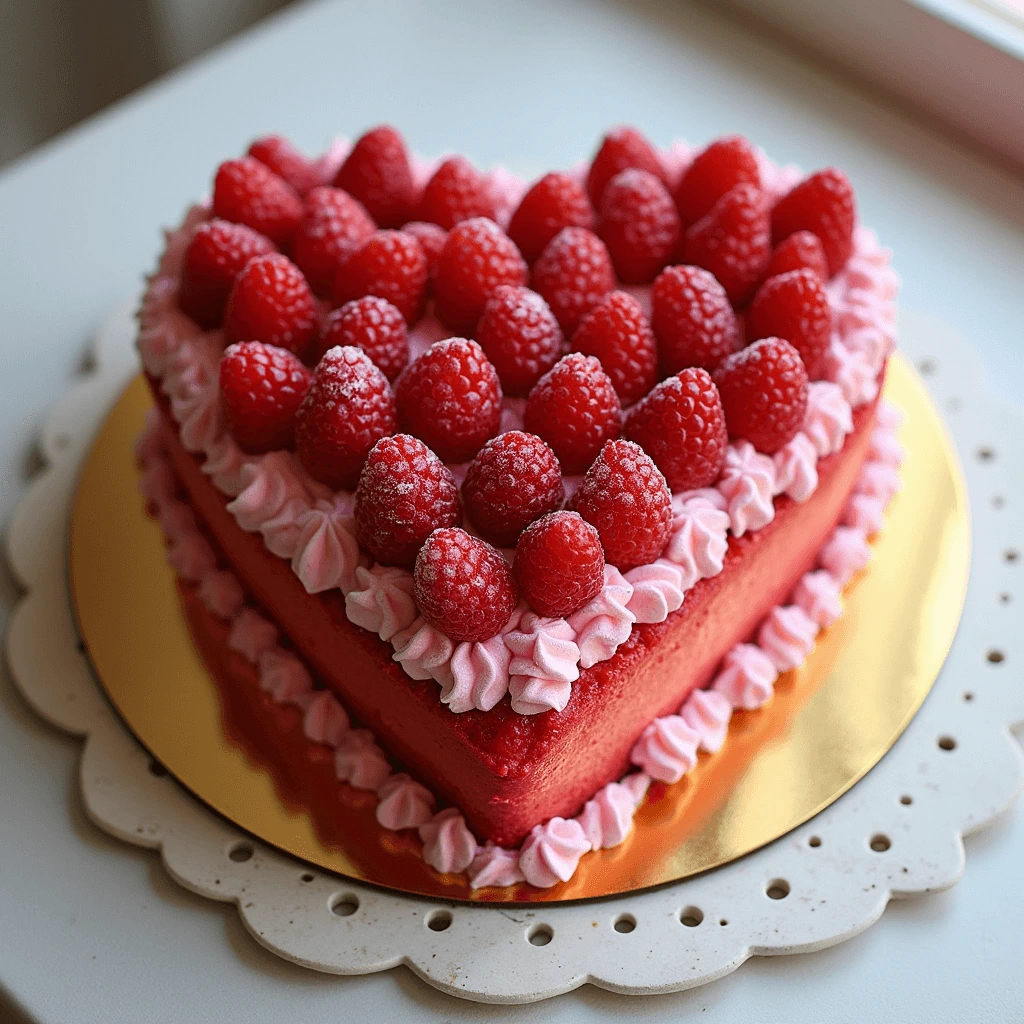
(518, 492)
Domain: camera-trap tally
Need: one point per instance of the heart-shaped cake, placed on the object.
(524, 489)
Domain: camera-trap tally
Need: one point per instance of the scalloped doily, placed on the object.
(896, 833)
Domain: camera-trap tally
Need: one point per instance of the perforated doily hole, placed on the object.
(995, 656)
(880, 843)
(1011, 555)
(906, 799)
(778, 889)
(157, 769)
(306, 877)
(240, 852)
(624, 924)
(985, 454)
(947, 743)
(540, 935)
(439, 920)
(814, 842)
(692, 917)
(344, 905)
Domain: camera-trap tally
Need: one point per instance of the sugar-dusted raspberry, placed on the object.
(618, 333)
(463, 586)
(261, 389)
(621, 148)
(218, 252)
(823, 204)
(347, 410)
(390, 264)
(572, 273)
(514, 479)
(801, 249)
(764, 393)
(556, 201)
(625, 497)
(271, 302)
(639, 224)
(377, 172)
(456, 192)
(559, 564)
(372, 324)
(277, 153)
(451, 399)
(575, 409)
(333, 225)
(405, 492)
(794, 306)
(693, 319)
(681, 425)
(723, 165)
(477, 258)
(733, 241)
(248, 192)
(431, 239)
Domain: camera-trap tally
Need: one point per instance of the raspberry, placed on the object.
(801, 249)
(214, 258)
(556, 201)
(794, 306)
(247, 192)
(617, 332)
(639, 224)
(621, 148)
(824, 205)
(572, 273)
(261, 389)
(277, 153)
(463, 587)
(456, 192)
(513, 480)
(681, 425)
(333, 225)
(377, 173)
(764, 393)
(720, 167)
(477, 258)
(346, 411)
(271, 302)
(405, 492)
(451, 399)
(733, 241)
(521, 337)
(692, 319)
(625, 497)
(575, 409)
(389, 264)
(375, 326)
(431, 239)
(559, 564)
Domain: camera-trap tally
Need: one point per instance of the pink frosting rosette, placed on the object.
(667, 748)
(746, 678)
(604, 623)
(495, 867)
(448, 845)
(787, 636)
(551, 852)
(403, 803)
(748, 484)
(544, 664)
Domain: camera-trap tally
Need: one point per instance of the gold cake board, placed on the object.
(829, 723)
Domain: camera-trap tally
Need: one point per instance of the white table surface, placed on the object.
(91, 930)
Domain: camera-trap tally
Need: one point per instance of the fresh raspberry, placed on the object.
(374, 325)
(617, 332)
(733, 241)
(521, 337)
(271, 302)
(451, 399)
(823, 204)
(347, 410)
(681, 425)
(431, 239)
(626, 498)
(456, 192)
(572, 273)
(389, 264)
(261, 389)
(277, 153)
(621, 148)
(477, 258)
(514, 479)
(801, 249)
(463, 587)
(794, 306)
(559, 564)
(247, 192)
(639, 224)
(405, 492)
(575, 409)
(556, 201)
(214, 258)
(333, 225)
(720, 167)
(692, 319)
(764, 393)
(377, 172)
